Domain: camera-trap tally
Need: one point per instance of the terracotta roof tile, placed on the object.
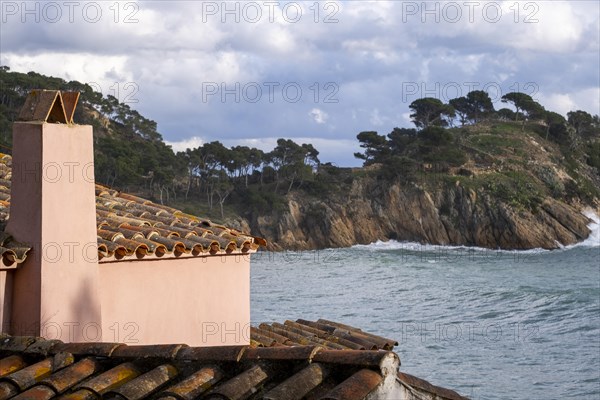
(35, 368)
(44, 347)
(357, 387)
(244, 384)
(24, 378)
(300, 384)
(211, 354)
(71, 375)
(11, 364)
(132, 227)
(109, 380)
(427, 389)
(146, 384)
(195, 385)
(381, 342)
(87, 349)
(19, 343)
(294, 337)
(8, 390)
(322, 332)
(295, 353)
(40, 392)
(263, 338)
(162, 351)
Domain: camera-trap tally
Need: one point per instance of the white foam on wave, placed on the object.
(593, 240)
(435, 248)
(381, 245)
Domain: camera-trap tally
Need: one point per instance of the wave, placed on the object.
(593, 240)
(381, 245)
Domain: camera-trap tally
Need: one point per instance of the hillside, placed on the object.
(129, 152)
(505, 179)
(513, 190)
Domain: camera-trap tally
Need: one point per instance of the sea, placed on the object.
(490, 324)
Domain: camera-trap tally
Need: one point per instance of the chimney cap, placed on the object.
(51, 106)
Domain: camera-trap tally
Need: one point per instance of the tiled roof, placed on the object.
(322, 332)
(130, 226)
(35, 368)
(426, 390)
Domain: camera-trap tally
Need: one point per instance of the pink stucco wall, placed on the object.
(62, 292)
(53, 209)
(5, 299)
(199, 301)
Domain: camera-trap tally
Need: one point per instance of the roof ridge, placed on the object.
(381, 360)
(177, 371)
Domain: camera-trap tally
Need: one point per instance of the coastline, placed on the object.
(451, 217)
(593, 240)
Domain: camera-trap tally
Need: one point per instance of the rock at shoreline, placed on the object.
(452, 215)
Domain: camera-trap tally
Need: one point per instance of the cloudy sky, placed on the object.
(314, 71)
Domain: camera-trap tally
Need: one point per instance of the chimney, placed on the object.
(55, 291)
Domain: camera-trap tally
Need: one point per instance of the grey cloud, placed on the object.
(373, 57)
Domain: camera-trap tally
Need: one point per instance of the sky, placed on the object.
(320, 72)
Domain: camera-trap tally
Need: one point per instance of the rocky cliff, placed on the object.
(515, 190)
(455, 215)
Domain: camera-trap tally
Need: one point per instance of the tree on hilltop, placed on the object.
(430, 111)
(525, 105)
(375, 146)
(506, 114)
(580, 120)
(400, 138)
(463, 109)
(481, 106)
(555, 123)
(475, 107)
(293, 162)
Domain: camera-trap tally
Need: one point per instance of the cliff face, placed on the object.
(451, 215)
(495, 185)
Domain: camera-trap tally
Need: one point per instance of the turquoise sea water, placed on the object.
(489, 324)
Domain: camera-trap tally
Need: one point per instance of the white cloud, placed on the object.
(554, 27)
(183, 145)
(370, 51)
(319, 116)
(375, 118)
(340, 151)
(101, 70)
(562, 103)
(558, 102)
(263, 143)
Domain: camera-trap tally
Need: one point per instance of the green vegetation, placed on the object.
(130, 155)
(517, 189)
(593, 154)
(517, 157)
(496, 144)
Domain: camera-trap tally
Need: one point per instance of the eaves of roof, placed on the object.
(131, 228)
(35, 368)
